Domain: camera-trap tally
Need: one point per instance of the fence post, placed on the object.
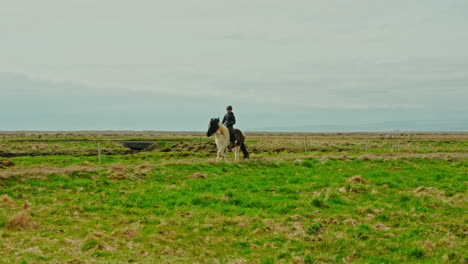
(305, 143)
(99, 152)
(367, 144)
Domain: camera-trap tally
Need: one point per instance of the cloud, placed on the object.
(272, 58)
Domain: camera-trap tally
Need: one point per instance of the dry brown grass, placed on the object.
(428, 191)
(368, 157)
(350, 221)
(197, 175)
(341, 189)
(381, 227)
(20, 220)
(6, 163)
(118, 176)
(42, 171)
(356, 178)
(439, 195)
(26, 205)
(147, 167)
(5, 199)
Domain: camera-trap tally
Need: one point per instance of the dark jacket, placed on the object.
(229, 120)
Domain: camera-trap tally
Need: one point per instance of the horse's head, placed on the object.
(213, 126)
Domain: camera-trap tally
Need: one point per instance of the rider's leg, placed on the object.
(232, 135)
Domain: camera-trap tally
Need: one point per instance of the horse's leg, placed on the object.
(225, 153)
(218, 155)
(236, 153)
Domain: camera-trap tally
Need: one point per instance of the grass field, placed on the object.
(351, 198)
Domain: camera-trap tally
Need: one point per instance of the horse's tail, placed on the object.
(244, 151)
(241, 143)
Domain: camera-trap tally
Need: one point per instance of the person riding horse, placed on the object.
(229, 120)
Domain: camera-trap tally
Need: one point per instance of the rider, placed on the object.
(229, 120)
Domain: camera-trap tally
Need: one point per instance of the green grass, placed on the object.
(260, 211)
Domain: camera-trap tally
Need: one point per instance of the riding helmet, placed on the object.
(229, 107)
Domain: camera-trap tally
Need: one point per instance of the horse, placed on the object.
(222, 140)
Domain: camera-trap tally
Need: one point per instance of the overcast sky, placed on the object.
(171, 65)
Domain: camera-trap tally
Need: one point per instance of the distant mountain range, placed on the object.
(416, 125)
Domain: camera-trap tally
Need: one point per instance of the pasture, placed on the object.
(300, 198)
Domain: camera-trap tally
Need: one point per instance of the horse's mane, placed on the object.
(223, 130)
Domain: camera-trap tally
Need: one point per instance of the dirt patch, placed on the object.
(197, 175)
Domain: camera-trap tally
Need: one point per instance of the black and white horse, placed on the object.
(222, 140)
